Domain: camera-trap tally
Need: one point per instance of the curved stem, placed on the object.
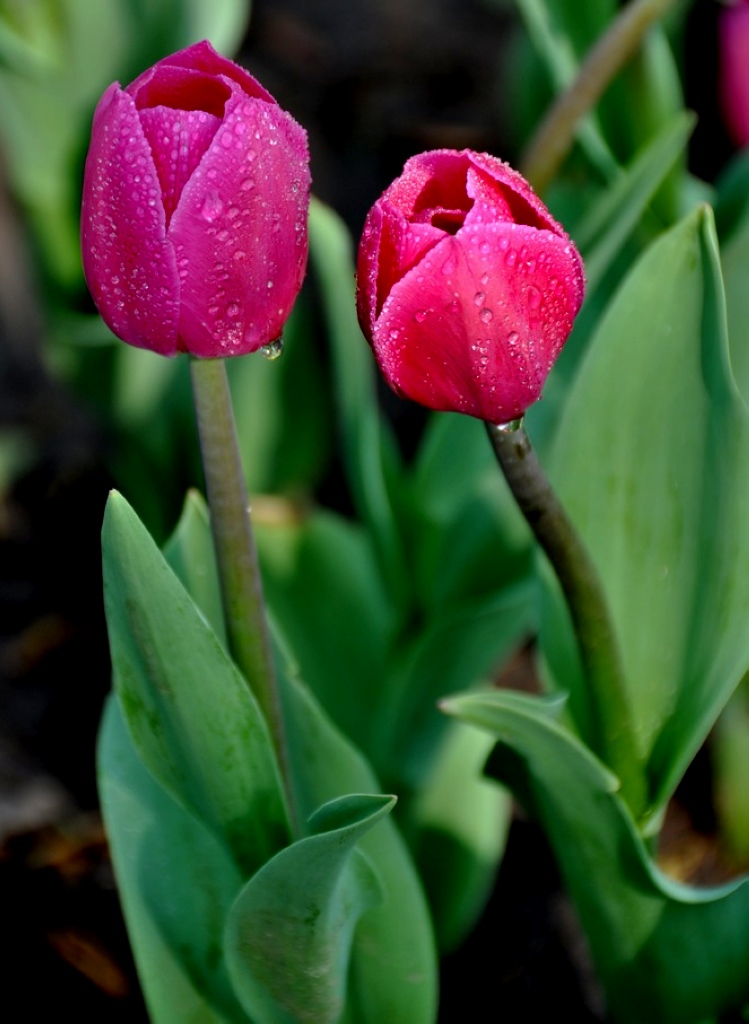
(234, 544)
(586, 600)
(556, 133)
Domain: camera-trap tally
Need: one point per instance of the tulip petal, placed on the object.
(129, 263)
(239, 231)
(199, 57)
(476, 326)
(178, 140)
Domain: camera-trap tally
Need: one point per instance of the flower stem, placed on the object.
(556, 133)
(234, 544)
(586, 600)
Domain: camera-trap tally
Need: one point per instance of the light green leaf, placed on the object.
(650, 461)
(288, 937)
(666, 953)
(176, 884)
(191, 715)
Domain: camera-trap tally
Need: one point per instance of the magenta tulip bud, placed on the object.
(195, 198)
(734, 70)
(467, 287)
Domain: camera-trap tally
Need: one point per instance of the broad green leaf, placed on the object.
(393, 968)
(346, 635)
(393, 961)
(666, 953)
(191, 715)
(288, 937)
(369, 455)
(650, 461)
(176, 884)
(463, 820)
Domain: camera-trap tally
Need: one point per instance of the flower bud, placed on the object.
(734, 70)
(467, 287)
(195, 197)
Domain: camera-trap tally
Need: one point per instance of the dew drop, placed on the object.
(420, 315)
(212, 207)
(486, 315)
(534, 298)
(448, 267)
(233, 309)
(273, 349)
(479, 298)
(511, 258)
(485, 279)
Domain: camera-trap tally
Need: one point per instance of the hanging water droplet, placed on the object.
(273, 349)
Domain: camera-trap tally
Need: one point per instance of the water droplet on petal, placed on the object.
(534, 298)
(420, 315)
(513, 338)
(479, 298)
(213, 206)
(233, 309)
(273, 349)
(486, 315)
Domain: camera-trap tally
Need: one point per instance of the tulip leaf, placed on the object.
(647, 933)
(289, 933)
(393, 961)
(735, 259)
(463, 820)
(369, 453)
(189, 553)
(176, 884)
(393, 964)
(650, 461)
(348, 635)
(191, 715)
(613, 216)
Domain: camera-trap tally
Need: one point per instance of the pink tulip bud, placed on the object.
(195, 197)
(734, 70)
(467, 288)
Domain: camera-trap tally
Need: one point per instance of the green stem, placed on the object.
(556, 133)
(586, 600)
(234, 544)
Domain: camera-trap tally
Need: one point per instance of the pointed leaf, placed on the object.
(176, 884)
(650, 461)
(647, 933)
(191, 715)
(288, 939)
(393, 965)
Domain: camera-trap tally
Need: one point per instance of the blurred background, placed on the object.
(373, 81)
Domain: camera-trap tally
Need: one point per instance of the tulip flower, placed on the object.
(467, 287)
(194, 220)
(734, 76)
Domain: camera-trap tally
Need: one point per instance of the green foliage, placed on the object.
(191, 784)
(667, 954)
